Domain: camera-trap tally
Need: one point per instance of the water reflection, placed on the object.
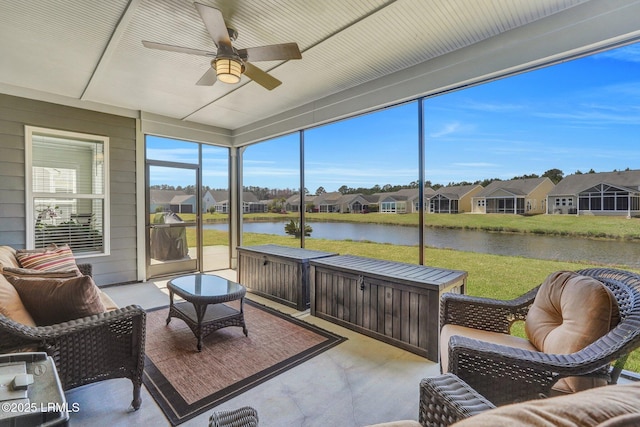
(526, 245)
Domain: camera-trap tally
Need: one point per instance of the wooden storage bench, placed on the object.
(278, 272)
(394, 302)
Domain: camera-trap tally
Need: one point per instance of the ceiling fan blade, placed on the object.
(214, 21)
(171, 48)
(272, 52)
(261, 77)
(208, 78)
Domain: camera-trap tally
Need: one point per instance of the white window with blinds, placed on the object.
(67, 190)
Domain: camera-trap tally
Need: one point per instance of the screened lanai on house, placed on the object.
(81, 68)
(453, 199)
(516, 196)
(604, 193)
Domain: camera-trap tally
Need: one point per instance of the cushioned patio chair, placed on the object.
(505, 373)
(86, 350)
(447, 400)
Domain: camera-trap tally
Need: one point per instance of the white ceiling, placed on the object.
(90, 51)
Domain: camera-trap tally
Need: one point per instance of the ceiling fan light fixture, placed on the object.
(228, 70)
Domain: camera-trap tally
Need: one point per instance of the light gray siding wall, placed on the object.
(17, 112)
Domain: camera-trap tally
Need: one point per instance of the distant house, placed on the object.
(403, 201)
(453, 199)
(292, 203)
(219, 200)
(208, 201)
(605, 193)
(393, 202)
(183, 204)
(413, 202)
(333, 202)
(356, 203)
(516, 196)
(171, 201)
(328, 202)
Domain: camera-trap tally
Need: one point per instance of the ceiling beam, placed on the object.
(111, 46)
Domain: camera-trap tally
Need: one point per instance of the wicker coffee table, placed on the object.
(203, 309)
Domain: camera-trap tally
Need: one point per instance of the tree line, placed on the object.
(266, 193)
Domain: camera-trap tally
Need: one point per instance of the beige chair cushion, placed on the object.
(626, 420)
(589, 408)
(109, 304)
(11, 305)
(51, 301)
(8, 257)
(493, 337)
(570, 312)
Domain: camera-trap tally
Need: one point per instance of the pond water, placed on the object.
(559, 248)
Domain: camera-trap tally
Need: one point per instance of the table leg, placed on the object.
(170, 306)
(200, 311)
(244, 325)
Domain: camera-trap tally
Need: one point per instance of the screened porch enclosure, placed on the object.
(509, 205)
(441, 204)
(609, 198)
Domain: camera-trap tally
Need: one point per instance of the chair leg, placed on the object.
(137, 400)
(618, 366)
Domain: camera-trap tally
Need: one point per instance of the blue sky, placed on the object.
(579, 115)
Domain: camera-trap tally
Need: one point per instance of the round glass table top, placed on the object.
(206, 285)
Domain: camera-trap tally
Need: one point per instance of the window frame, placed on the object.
(29, 132)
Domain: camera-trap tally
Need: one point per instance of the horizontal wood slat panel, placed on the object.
(397, 303)
(277, 272)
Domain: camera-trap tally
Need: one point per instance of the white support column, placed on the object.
(235, 204)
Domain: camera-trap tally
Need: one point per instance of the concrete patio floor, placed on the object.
(359, 382)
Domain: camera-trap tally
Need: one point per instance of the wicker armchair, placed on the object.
(504, 374)
(87, 350)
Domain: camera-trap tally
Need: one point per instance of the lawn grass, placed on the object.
(491, 276)
(590, 226)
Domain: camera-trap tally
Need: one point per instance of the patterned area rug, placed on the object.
(185, 383)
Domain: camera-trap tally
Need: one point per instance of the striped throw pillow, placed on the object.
(59, 258)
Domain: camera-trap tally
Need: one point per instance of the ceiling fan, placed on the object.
(229, 63)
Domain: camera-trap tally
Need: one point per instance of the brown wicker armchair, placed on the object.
(505, 374)
(87, 350)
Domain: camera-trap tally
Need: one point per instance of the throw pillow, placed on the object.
(570, 312)
(33, 273)
(51, 259)
(51, 301)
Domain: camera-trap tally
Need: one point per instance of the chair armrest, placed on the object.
(484, 313)
(85, 350)
(506, 374)
(86, 269)
(446, 399)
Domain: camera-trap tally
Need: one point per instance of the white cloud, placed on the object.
(448, 129)
(492, 107)
(628, 53)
